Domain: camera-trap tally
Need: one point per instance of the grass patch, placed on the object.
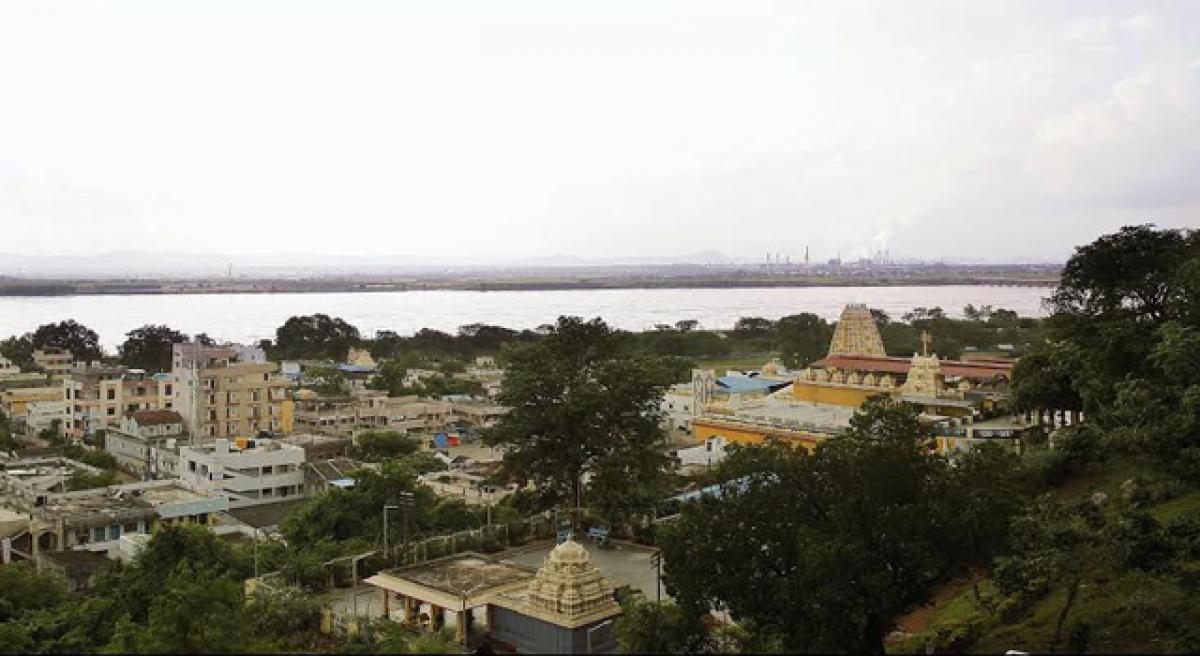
(1185, 506)
(754, 362)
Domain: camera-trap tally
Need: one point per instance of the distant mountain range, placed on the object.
(132, 263)
(209, 264)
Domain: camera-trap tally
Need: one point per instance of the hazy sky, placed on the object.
(509, 129)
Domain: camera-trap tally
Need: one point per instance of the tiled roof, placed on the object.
(970, 370)
(155, 417)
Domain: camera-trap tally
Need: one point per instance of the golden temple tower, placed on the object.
(856, 333)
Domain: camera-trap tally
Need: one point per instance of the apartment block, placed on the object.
(145, 440)
(54, 361)
(248, 472)
(228, 391)
(98, 397)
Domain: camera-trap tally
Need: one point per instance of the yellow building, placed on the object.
(230, 391)
(15, 401)
(960, 401)
(97, 397)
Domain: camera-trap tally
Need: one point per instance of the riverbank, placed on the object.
(28, 287)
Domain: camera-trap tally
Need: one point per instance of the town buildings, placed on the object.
(7, 368)
(97, 397)
(147, 442)
(339, 415)
(54, 361)
(96, 519)
(229, 391)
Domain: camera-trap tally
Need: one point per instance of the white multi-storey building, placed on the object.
(249, 472)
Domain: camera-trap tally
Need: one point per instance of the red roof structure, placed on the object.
(155, 417)
(974, 371)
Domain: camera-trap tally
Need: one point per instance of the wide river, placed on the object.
(250, 317)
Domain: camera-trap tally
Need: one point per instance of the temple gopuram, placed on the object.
(961, 402)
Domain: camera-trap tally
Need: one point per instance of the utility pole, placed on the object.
(386, 553)
(657, 560)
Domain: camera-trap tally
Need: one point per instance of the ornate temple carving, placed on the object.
(924, 376)
(856, 333)
(569, 584)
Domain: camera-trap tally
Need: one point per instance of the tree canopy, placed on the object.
(583, 403)
(81, 341)
(149, 347)
(315, 336)
(825, 549)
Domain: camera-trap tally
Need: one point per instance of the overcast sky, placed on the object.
(495, 130)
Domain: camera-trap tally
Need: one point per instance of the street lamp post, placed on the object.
(405, 501)
(386, 553)
(657, 560)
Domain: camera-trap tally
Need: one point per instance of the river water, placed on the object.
(250, 317)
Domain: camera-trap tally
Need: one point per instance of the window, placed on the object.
(267, 470)
(114, 532)
(98, 534)
(168, 389)
(111, 411)
(191, 465)
(111, 394)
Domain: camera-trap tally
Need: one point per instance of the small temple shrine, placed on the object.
(566, 606)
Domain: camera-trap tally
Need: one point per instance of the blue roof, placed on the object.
(355, 369)
(747, 384)
(343, 483)
(717, 490)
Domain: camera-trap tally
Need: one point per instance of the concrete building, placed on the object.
(248, 472)
(97, 397)
(137, 442)
(54, 361)
(43, 415)
(7, 368)
(95, 519)
(220, 395)
(478, 414)
(30, 477)
(412, 414)
(14, 401)
(339, 415)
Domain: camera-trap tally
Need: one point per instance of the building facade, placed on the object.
(98, 397)
(248, 472)
(221, 395)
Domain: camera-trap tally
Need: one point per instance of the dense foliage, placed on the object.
(824, 550)
(583, 403)
(149, 347)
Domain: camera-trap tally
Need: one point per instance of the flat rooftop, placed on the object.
(165, 498)
(785, 413)
(455, 574)
(623, 563)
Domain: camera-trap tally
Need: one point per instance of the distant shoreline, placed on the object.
(84, 287)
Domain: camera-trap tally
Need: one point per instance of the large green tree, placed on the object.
(19, 350)
(315, 336)
(149, 347)
(584, 404)
(825, 549)
(802, 339)
(81, 341)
